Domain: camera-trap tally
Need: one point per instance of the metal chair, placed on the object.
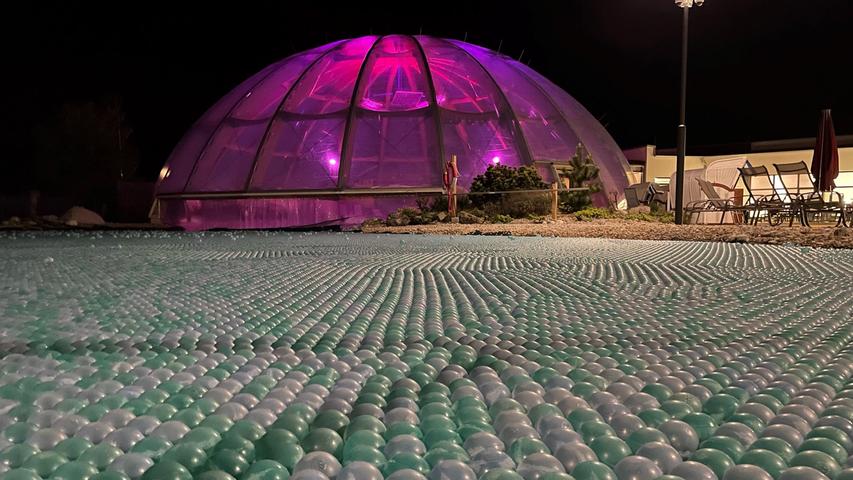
(631, 197)
(772, 205)
(800, 188)
(714, 203)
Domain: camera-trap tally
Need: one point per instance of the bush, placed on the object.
(499, 178)
(518, 205)
(664, 217)
(501, 218)
(588, 214)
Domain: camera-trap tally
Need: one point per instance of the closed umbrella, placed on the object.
(825, 160)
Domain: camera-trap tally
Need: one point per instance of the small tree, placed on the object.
(584, 173)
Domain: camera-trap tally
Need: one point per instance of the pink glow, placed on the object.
(381, 111)
(393, 78)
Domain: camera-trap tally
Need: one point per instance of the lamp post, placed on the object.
(685, 5)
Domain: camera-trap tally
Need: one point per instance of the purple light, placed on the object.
(291, 127)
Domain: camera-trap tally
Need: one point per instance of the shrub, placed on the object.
(589, 214)
(501, 218)
(499, 178)
(593, 213)
(664, 217)
(518, 205)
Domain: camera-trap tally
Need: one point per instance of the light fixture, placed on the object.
(681, 139)
(496, 160)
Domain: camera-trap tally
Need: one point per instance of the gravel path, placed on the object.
(761, 234)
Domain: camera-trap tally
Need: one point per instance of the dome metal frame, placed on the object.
(381, 115)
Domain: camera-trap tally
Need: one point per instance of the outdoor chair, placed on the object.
(656, 194)
(771, 205)
(631, 197)
(715, 204)
(797, 181)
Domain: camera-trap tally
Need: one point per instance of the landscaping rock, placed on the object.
(82, 216)
(469, 218)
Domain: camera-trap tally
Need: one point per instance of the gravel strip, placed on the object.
(825, 237)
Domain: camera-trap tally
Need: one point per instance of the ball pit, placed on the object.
(268, 356)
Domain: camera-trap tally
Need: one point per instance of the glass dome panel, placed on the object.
(301, 154)
(461, 85)
(327, 86)
(547, 134)
(227, 161)
(478, 144)
(393, 79)
(605, 152)
(379, 113)
(393, 151)
(179, 166)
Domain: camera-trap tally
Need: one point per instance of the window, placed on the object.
(844, 185)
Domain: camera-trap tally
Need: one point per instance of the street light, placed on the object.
(685, 5)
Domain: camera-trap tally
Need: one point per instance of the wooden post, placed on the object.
(554, 200)
(154, 212)
(454, 176)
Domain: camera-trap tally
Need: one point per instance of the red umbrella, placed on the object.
(825, 160)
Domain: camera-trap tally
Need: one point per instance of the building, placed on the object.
(358, 128)
(650, 164)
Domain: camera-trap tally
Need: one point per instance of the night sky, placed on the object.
(759, 69)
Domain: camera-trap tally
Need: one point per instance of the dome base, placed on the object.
(346, 212)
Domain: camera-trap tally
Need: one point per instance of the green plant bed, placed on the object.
(595, 213)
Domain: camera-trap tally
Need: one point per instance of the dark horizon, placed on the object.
(756, 72)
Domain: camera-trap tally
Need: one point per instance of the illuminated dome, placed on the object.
(357, 128)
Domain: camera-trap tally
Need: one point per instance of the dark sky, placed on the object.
(759, 69)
